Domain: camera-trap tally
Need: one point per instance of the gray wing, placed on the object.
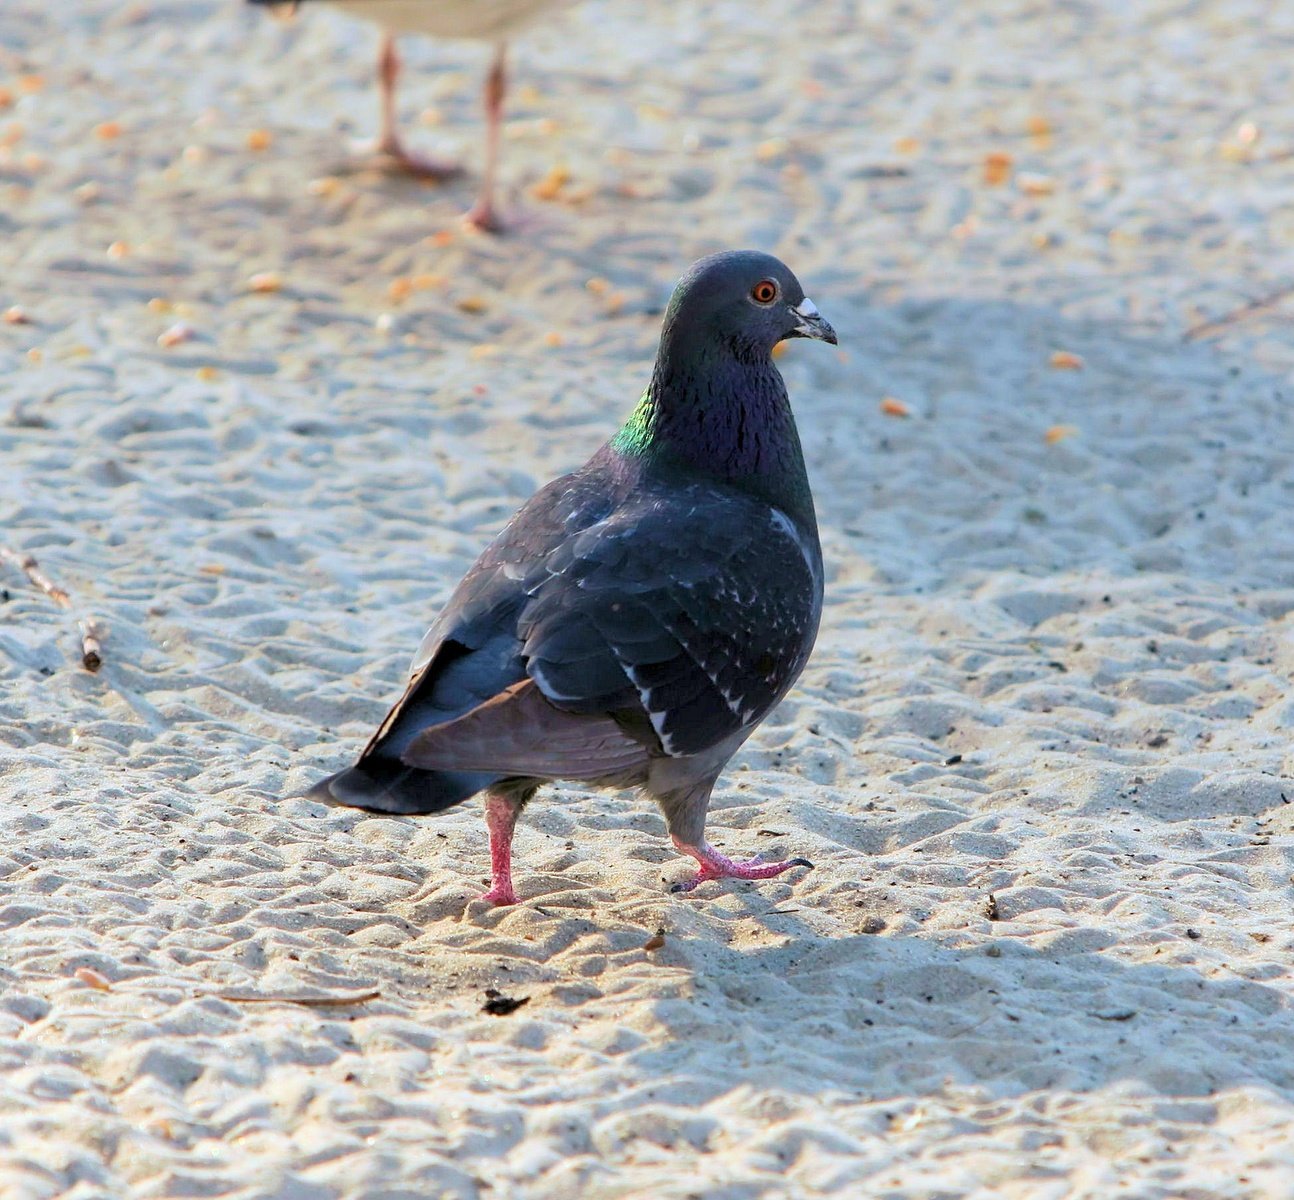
(662, 625)
(471, 653)
(698, 610)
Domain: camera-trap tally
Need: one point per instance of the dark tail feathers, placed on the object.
(386, 785)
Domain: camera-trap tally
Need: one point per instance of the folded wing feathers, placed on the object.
(519, 733)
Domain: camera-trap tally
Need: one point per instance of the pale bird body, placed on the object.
(494, 21)
(478, 20)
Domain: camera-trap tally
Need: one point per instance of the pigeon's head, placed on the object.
(744, 300)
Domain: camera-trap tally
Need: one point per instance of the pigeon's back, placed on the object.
(677, 608)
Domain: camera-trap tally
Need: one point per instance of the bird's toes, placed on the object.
(500, 897)
(395, 159)
(484, 218)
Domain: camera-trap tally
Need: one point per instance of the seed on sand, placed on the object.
(550, 187)
(176, 334)
(92, 978)
(997, 168)
(1033, 184)
(265, 281)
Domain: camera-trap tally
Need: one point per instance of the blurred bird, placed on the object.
(637, 619)
(494, 21)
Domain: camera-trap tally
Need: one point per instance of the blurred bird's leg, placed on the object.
(685, 815)
(388, 71)
(389, 144)
(483, 214)
(501, 812)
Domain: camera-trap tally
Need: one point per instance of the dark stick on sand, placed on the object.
(1208, 328)
(91, 645)
(91, 631)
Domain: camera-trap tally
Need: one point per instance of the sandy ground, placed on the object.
(1053, 669)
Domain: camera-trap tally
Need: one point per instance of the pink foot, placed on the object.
(390, 148)
(392, 156)
(500, 896)
(485, 217)
(718, 866)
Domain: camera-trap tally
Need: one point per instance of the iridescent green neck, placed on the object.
(732, 424)
(635, 434)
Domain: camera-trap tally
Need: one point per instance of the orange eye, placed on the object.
(764, 292)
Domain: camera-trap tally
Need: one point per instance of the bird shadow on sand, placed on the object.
(877, 1015)
(738, 995)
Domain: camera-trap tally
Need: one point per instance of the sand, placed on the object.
(1041, 757)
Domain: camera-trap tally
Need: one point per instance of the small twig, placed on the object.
(91, 644)
(955, 1033)
(308, 1001)
(1207, 328)
(92, 633)
(27, 564)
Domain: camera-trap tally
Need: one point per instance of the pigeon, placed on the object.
(636, 619)
(483, 20)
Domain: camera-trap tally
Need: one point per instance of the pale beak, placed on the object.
(811, 323)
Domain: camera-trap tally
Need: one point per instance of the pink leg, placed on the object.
(501, 821)
(718, 866)
(389, 143)
(483, 214)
